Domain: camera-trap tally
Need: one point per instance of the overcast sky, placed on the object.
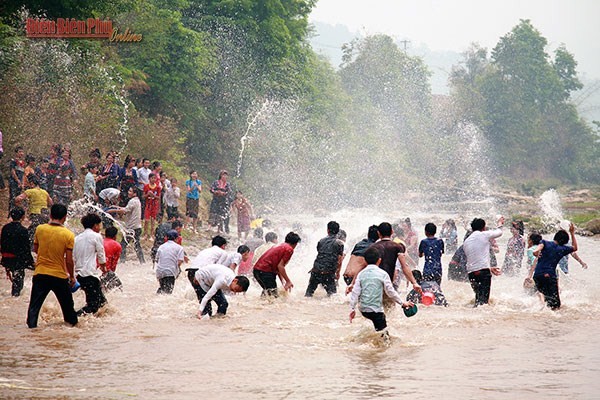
(454, 24)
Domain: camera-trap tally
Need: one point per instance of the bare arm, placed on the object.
(70, 264)
(283, 275)
(408, 273)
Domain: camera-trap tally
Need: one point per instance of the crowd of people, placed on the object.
(373, 274)
(142, 194)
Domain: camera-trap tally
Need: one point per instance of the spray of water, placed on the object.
(552, 212)
(251, 123)
(81, 207)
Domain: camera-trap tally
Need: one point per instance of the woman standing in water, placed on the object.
(515, 250)
(220, 205)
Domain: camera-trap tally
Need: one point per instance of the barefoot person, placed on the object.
(357, 262)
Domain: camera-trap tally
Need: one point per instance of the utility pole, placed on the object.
(405, 43)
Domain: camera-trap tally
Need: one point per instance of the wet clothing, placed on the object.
(212, 255)
(362, 246)
(41, 286)
(269, 261)
(389, 251)
(112, 251)
(481, 282)
(432, 249)
(549, 257)
(15, 186)
(220, 205)
(329, 249)
(457, 268)
(89, 186)
(515, 250)
(368, 291)
(477, 249)
(213, 280)
(16, 254)
(62, 189)
(152, 203)
(87, 254)
(168, 258)
(544, 276)
(431, 287)
(53, 241)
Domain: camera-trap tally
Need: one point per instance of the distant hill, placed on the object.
(328, 40)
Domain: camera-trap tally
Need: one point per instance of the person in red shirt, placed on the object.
(272, 264)
(112, 249)
(152, 196)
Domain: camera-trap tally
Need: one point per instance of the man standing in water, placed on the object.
(390, 253)
(272, 264)
(327, 265)
(54, 269)
(209, 283)
(477, 251)
(357, 260)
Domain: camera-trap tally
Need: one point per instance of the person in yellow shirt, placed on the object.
(39, 201)
(53, 272)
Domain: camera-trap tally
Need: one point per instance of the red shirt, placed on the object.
(268, 262)
(112, 249)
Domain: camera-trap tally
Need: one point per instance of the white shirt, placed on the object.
(172, 196)
(133, 214)
(88, 246)
(143, 175)
(260, 250)
(232, 258)
(168, 256)
(212, 278)
(109, 194)
(212, 255)
(477, 249)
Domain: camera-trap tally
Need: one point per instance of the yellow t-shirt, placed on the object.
(53, 241)
(38, 199)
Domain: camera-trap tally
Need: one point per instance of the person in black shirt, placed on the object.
(16, 251)
(327, 265)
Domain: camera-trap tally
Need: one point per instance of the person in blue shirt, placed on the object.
(193, 187)
(544, 271)
(432, 249)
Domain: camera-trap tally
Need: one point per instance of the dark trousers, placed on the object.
(378, 319)
(17, 278)
(137, 233)
(166, 285)
(94, 298)
(41, 286)
(218, 298)
(433, 277)
(267, 281)
(481, 281)
(316, 279)
(548, 286)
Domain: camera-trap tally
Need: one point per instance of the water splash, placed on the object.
(251, 123)
(81, 207)
(552, 212)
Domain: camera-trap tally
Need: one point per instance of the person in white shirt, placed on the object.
(216, 254)
(368, 288)
(210, 281)
(133, 223)
(477, 252)
(143, 175)
(171, 198)
(88, 248)
(233, 260)
(270, 241)
(169, 258)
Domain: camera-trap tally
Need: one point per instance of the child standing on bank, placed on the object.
(432, 249)
(368, 290)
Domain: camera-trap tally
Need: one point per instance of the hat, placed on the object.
(172, 234)
(410, 311)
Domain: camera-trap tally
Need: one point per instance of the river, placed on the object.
(153, 347)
